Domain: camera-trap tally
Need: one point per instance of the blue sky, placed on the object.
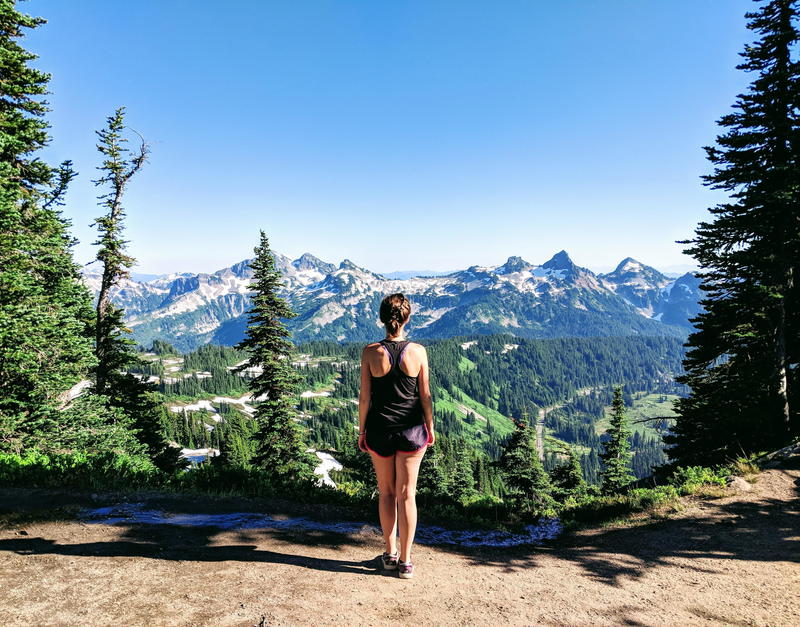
(401, 135)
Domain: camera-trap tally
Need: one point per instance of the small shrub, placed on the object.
(689, 479)
(744, 467)
(78, 470)
(596, 509)
(355, 489)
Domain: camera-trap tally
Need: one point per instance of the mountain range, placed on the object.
(341, 302)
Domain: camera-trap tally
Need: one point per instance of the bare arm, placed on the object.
(425, 393)
(364, 398)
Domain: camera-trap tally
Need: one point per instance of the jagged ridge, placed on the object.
(556, 298)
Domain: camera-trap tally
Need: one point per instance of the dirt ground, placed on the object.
(728, 561)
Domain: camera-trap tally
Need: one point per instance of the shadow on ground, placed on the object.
(759, 529)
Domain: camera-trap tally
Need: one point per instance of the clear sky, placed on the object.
(423, 134)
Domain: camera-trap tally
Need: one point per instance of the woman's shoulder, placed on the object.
(414, 346)
(371, 348)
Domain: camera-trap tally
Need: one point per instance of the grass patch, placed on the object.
(647, 407)
(746, 468)
(639, 505)
(465, 364)
(501, 424)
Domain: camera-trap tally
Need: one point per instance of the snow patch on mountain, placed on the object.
(328, 313)
(201, 404)
(431, 315)
(340, 302)
(509, 321)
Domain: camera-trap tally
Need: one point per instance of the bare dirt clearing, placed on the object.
(728, 561)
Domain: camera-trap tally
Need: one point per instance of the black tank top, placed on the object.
(395, 404)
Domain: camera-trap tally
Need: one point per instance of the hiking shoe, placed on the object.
(405, 570)
(389, 561)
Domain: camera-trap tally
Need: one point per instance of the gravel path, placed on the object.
(728, 561)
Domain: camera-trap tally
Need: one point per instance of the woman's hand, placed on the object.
(362, 442)
(431, 436)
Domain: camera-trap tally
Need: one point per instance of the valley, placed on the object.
(479, 386)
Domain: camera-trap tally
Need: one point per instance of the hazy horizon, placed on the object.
(673, 269)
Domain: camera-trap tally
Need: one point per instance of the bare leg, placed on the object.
(407, 470)
(387, 500)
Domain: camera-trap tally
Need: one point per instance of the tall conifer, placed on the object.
(527, 483)
(433, 480)
(616, 455)
(742, 360)
(115, 350)
(113, 347)
(567, 477)
(281, 450)
(44, 306)
(461, 484)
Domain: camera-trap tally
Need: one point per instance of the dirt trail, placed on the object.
(542, 414)
(540, 433)
(728, 561)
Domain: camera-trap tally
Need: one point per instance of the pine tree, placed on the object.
(433, 480)
(567, 477)
(44, 306)
(114, 349)
(357, 464)
(616, 453)
(526, 482)
(739, 363)
(461, 486)
(281, 450)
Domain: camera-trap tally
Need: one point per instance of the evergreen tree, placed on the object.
(567, 477)
(616, 453)
(461, 486)
(433, 481)
(281, 450)
(163, 349)
(739, 363)
(114, 349)
(357, 464)
(526, 482)
(44, 306)
(90, 423)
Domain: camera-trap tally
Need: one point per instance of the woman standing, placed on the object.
(395, 415)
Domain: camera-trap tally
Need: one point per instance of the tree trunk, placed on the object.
(782, 357)
(103, 298)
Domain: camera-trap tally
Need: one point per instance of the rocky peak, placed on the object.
(307, 261)
(559, 261)
(630, 269)
(242, 269)
(629, 264)
(182, 285)
(513, 264)
(346, 264)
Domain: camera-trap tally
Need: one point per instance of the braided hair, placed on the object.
(395, 310)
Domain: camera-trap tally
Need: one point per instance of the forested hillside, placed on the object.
(479, 384)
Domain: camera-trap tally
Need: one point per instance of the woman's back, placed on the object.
(395, 417)
(395, 401)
